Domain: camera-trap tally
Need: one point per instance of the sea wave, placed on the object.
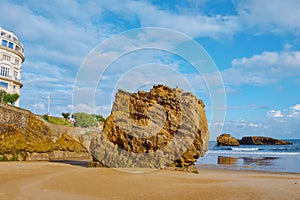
(265, 153)
(244, 149)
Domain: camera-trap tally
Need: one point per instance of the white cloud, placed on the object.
(291, 113)
(255, 125)
(296, 107)
(195, 25)
(261, 69)
(274, 16)
(294, 111)
(275, 114)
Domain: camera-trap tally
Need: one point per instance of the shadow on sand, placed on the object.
(80, 163)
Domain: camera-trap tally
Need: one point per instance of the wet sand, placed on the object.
(72, 180)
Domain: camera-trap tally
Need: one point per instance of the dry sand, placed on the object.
(49, 180)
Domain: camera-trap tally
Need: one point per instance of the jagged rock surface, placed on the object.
(163, 127)
(227, 140)
(260, 140)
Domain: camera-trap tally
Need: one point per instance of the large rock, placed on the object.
(163, 127)
(260, 140)
(227, 140)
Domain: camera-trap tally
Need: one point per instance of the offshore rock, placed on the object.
(160, 128)
(227, 140)
(260, 140)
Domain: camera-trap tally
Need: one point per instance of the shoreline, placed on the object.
(48, 180)
(268, 158)
(241, 169)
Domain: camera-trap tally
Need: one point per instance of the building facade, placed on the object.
(11, 59)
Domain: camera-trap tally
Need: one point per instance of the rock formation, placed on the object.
(163, 127)
(260, 140)
(227, 140)
(23, 136)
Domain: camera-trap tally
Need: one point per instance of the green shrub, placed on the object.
(99, 118)
(8, 98)
(84, 120)
(4, 158)
(46, 117)
(65, 115)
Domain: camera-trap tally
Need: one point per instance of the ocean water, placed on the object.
(272, 158)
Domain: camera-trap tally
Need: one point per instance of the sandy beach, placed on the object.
(53, 180)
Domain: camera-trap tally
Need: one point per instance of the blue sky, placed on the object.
(254, 44)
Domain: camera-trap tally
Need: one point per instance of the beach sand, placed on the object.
(56, 180)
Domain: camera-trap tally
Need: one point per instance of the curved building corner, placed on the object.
(11, 59)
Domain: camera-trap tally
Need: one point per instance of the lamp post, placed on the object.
(49, 99)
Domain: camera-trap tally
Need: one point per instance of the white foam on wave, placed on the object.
(230, 152)
(244, 149)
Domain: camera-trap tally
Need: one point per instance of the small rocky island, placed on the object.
(228, 140)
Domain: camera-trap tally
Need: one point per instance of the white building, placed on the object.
(11, 59)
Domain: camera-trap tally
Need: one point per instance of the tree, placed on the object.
(11, 98)
(84, 120)
(66, 115)
(8, 98)
(2, 95)
(99, 118)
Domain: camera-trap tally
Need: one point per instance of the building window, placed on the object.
(4, 43)
(17, 61)
(2, 33)
(6, 57)
(4, 85)
(11, 45)
(14, 87)
(16, 75)
(4, 71)
(18, 49)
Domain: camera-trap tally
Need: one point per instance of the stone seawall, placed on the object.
(14, 115)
